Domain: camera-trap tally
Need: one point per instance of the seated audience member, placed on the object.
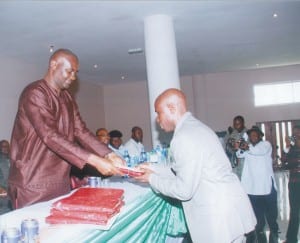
(259, 183)
(216, 208)
(237, 135)
(134, 144)
(292, 159)
(103, 135)
(115, 142)
(5, 205)
(79, 176)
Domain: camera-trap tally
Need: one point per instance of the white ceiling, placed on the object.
(211, 36)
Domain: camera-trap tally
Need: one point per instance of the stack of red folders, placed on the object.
(87, 206)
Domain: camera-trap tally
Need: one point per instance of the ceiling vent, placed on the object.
(135, 51)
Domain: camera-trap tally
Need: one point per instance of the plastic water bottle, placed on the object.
(126, 157)
(127, 160)
(133, 161)
(159, 153)
(153, 156)
(164, 155)
(143, 156)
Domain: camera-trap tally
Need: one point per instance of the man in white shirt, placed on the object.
(237, 134)
(134, 144)
(115, 142)
(216, 208)
(259, 183)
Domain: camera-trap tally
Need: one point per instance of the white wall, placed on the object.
(125, 106)
(14, 77)
(90, 102)
(231, 93)
(213, 98)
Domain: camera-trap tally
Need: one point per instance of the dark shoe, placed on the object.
(261, 237)
(251, 237)
(273, 237)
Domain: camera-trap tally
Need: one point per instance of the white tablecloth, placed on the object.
(61, 233)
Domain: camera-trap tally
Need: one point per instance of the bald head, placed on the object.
(62, 69)
(170, 106)
(66, 53)
(173, 96)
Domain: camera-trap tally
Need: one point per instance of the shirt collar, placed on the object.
(182, 120)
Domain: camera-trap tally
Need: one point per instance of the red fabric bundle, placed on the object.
(87, 206)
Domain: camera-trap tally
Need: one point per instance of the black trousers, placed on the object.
(294, 200)
(265, 208)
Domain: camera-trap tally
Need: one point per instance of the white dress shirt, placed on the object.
(257, 175)
(134, 148)
(119, 151)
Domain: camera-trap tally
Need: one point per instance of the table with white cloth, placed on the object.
(145, 217)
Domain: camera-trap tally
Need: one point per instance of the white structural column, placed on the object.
(161, 60)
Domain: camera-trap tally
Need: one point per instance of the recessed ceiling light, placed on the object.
(51, 48)
(123, 77)
(95, 66)
(275, 15)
